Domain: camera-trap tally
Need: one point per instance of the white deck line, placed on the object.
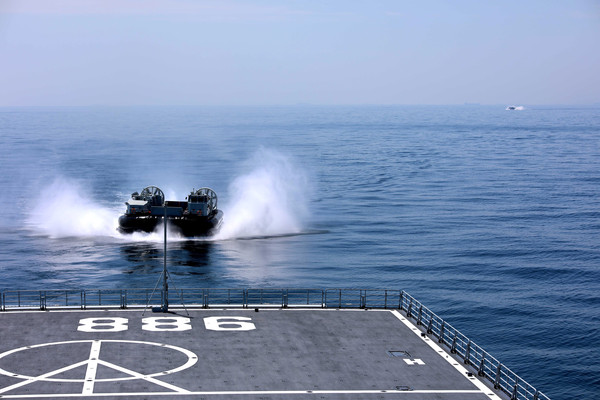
(29, 380)
(479, 384)
(92, 368)
(243, 392)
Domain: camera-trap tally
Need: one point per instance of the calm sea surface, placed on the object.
(490, 217)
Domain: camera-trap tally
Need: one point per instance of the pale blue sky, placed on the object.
(224, 52)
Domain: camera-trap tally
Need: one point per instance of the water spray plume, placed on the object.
(63, 211)
(271, 199)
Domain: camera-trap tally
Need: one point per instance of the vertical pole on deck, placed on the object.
(165, 306)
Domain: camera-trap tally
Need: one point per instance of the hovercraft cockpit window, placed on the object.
(198, 199)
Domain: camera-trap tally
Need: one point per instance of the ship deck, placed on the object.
(220, 353)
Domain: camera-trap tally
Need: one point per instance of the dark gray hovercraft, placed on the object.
(198, 216)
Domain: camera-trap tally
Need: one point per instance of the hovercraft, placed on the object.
(197, 216)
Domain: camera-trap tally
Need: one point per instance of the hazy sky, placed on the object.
(187, 52)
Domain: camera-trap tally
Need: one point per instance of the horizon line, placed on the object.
(305, 104)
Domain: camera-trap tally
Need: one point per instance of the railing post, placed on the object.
(515, 391)
(284, 299)
(468, 353)
(363, 299)
(409, 311)
(385, 300)
(430, 325)
(123, 298)
(453, 348)
(42, 300)
(419, 322)
(497, 379)
(481, 370)
(441, 338)
(400, 300)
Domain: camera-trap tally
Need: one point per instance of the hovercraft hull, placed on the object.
(187, 225)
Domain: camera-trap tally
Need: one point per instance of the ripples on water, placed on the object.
(489, 217)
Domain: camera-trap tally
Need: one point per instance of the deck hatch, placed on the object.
(399, 353)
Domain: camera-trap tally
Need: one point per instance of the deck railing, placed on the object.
(480, 361)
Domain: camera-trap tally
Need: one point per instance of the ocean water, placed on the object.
(489, 217)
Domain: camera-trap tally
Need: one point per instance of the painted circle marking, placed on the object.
(191, 360)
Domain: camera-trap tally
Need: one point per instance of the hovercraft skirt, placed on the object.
(187, 225)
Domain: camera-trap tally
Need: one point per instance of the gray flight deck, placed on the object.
(221, 353)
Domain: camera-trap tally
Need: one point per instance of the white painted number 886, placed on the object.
(162, 324)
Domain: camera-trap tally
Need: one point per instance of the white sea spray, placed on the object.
(271, 198)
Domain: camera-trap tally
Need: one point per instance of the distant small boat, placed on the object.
(517, 108)
(198, 216)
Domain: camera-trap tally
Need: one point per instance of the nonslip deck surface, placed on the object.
(223, 354)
